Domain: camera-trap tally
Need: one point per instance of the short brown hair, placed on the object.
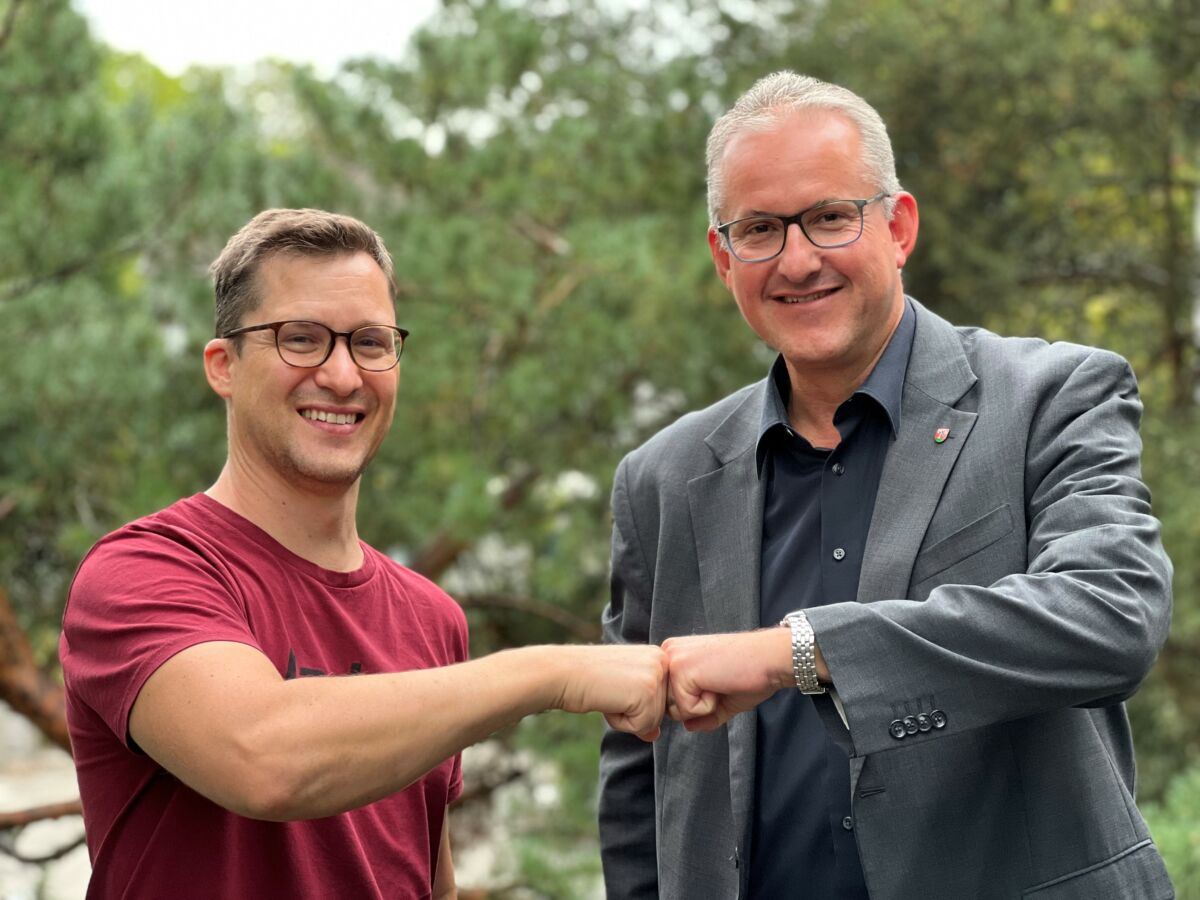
(306, 232)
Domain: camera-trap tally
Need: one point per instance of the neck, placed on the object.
(318, 524)
(818, 392)
(812, 406)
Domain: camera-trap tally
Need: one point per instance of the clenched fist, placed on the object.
(625, 682)
(713, 677)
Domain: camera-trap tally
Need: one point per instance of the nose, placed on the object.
(339, 373)
(800, 258)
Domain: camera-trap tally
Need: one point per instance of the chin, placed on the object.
(326, 472)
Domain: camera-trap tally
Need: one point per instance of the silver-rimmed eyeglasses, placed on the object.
(828, 225)
(306, 345)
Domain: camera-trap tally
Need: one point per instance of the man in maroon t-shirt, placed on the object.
(212, 760)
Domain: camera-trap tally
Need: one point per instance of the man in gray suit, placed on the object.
(922, 555)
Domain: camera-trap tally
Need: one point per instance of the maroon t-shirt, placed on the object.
(198, 572)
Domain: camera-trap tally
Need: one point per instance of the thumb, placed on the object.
(690, 705)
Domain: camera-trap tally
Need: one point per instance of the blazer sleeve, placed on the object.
(628, 846)
(1082, 624)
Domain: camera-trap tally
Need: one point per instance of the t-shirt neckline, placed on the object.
(247, 529)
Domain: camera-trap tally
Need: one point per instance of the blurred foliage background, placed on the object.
(537, 170)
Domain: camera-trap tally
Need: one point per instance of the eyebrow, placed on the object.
(778, 215)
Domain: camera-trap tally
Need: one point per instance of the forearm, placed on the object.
(1023, 646)
(220, 718)
(340, 743)
(1069, 610)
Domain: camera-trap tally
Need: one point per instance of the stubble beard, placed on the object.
(298, 466)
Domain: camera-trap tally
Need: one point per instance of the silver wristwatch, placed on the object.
(804, 658)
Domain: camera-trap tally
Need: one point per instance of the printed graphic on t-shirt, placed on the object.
(306, 672)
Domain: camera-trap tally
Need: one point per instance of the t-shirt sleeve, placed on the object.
(138, 599)
(455, 788)
(461, 652)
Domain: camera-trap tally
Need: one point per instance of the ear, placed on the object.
(219, 359)
(904, 226)
(721, 256)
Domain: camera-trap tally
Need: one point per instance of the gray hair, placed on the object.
(306, 232)
(773, 97)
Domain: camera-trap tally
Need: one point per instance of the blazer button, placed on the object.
(938, 718)
(910, 725)
(896, 730)
(924, 723)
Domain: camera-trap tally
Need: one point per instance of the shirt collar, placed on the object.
(885, 384)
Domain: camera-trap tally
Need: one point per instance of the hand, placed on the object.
(625, 682)
(716, 676)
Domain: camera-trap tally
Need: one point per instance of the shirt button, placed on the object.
(896, 730)
(848, 823)
(839, 554)
(838, 469)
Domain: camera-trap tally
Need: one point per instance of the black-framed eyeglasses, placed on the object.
(828, 225)
(306, 345)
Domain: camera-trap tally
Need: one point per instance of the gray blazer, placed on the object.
(1014, 579)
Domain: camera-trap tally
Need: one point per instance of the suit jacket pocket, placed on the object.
(970, 539)
(1136, 873)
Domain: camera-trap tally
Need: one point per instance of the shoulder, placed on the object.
(681, 450)
(177, 532)
(1024, 363)
(1034, 357)
(435, 609)
(176, 565)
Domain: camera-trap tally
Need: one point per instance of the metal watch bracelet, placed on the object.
(804, 658)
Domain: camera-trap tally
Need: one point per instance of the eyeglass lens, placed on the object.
(307, 344)
(831, 225)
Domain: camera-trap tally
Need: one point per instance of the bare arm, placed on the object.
(444, 887)
(220, 717)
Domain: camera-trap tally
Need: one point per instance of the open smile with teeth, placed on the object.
(332, 418)
(807, 298)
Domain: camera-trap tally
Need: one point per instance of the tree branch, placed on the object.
(441, 551)
(17, 287)
(45, 857)
(1145, 278)
(579, 628)
(546, 238)
(10, 18)
(24, 686)
(483, 790)
(22, 817)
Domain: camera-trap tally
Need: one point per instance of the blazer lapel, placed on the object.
(932, 434)
(726, 506)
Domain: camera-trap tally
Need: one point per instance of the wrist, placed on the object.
(779, 655)
(543, 674)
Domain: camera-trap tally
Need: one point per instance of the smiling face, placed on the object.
(319, 426)
(829, 312)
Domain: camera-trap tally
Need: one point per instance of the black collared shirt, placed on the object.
(816, 514)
